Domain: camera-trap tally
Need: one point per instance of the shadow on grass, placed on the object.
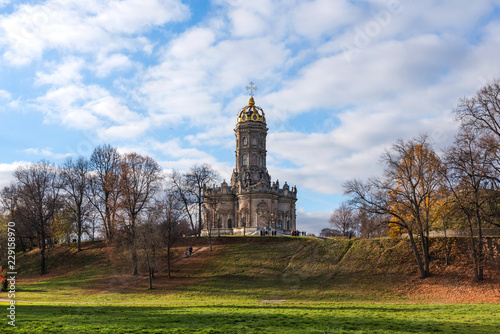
(277, 318)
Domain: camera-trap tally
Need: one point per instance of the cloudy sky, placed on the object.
(339, 81)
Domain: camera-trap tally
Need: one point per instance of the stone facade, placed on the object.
(251, 203)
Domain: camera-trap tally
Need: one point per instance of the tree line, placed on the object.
(421, 191)
(125, 199)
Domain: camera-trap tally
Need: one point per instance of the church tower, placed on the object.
(251, 204)
(251, 133)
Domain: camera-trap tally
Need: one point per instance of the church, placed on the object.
(251, 204)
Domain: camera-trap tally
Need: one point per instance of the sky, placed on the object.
(339, 81)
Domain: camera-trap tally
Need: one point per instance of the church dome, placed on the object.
(251, 113)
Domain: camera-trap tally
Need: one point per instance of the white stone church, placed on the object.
(251, 203)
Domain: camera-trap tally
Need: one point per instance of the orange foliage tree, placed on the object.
(408, 192)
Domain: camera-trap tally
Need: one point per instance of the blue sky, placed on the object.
(339, 81)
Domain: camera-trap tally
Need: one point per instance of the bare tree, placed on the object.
(182, 190)
(329, 232)
(244, 217)
(199, 177)
(372, 225)
(269, 216)
(9, 202)
(169, 209)
(75, 177)
(63, 226)
(212, 216)
(149, 240)
(104, 190)
(3, 238)
(139, 182)
(39, 195)
(481, 114)
(408, 192)
(343, 219)
(467, 169)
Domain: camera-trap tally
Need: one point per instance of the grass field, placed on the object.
(255, 285)
(263, 317)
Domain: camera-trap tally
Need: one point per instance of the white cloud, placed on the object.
(246, 23)
(92, 108)
(6, 172)
(82, 26)
(109, 63)
(131, 16)
(315, 18)
(5, 95)
(192, 43)
(196, 71)
(46, 152)
(132, 129)
(63, 73)
(312, 222)
(117, 70)
(177, 156)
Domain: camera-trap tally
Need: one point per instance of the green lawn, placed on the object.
(258, 317)
(251, 285)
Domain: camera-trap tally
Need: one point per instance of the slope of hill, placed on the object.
(266, 268)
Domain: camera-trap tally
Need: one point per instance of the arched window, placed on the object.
(253, 161)
(229, 223)
(244, 141)
(260, 161)
(244, 160)
(280, 224)
(254, 141)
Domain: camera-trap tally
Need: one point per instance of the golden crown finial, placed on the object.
(251, 102)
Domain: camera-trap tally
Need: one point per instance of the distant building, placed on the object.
(251, 203)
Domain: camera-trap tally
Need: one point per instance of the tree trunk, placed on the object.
(474, 253)
(153, 260)
(168, 261)
(43, 270)
(446, 255)
(134, 259)
(79, 232)
(21, 243)
(424, 242)
(150, 278)
(417, 255)
(480, 253)
(79, 242)
(200, 222)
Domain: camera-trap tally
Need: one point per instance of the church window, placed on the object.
(280, 224)
(245, 160)
(260, 161)
(253, 161)
(229, 223)
(244, 141)
(254, 141)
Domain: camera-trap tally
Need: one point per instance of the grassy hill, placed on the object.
(261, 268)
(258, 285)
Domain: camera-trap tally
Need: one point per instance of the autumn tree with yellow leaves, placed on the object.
(408, 192)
